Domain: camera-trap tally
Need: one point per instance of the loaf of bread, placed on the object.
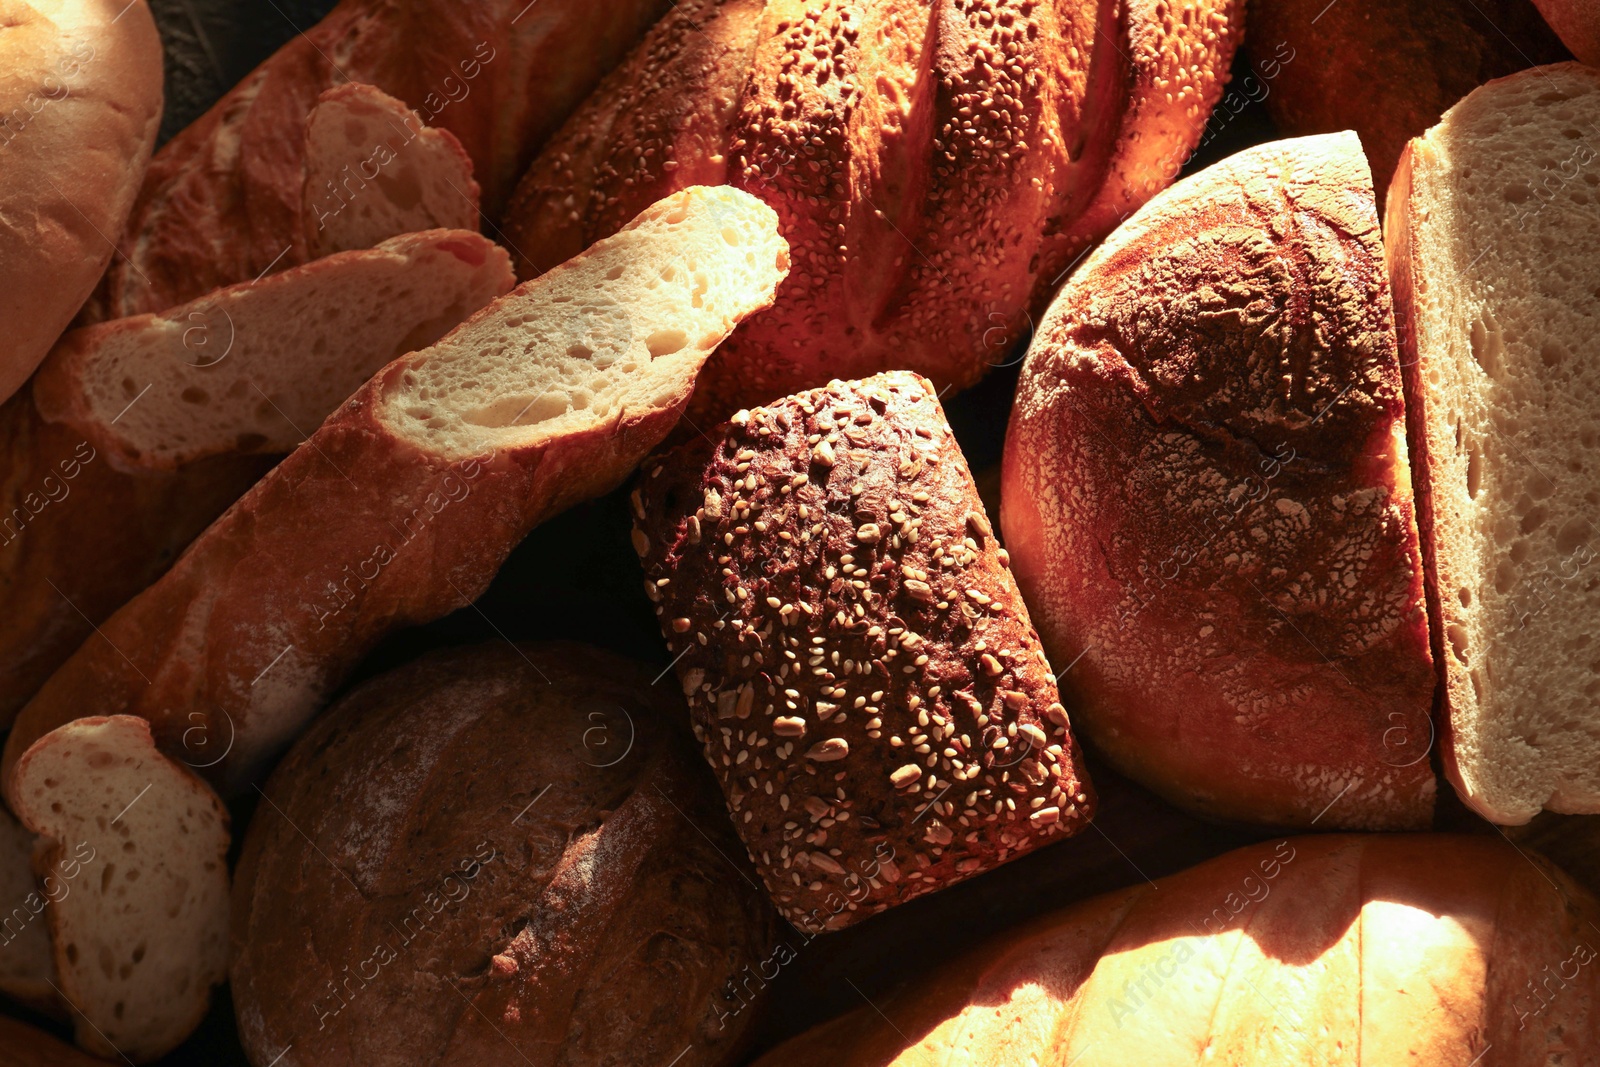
(579, 899)
(1578, 24)
(374, 170)
(403, 505)
(937, 166)
(1384, 68)
(223, 200)
(140, 935)
(1361, 950)
(859, 664)
(94, 504)
(1207, 500)
(1492, 231)
(80, 100)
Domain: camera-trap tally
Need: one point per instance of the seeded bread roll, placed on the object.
(859, 664)
(416, 890)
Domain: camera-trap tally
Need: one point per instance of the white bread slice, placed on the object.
(26, 967)
(256, 367)
(404, 504)
(374, 171)
(1493, 244)
(141, 935)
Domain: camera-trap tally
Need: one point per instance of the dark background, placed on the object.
(577, 578)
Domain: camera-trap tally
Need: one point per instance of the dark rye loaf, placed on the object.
(859, 664)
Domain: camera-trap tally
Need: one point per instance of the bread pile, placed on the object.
(1288, 511)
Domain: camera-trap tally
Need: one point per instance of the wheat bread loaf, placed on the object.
(415, 889)
(859, 665)
(92, 508)
(936, 165)
(1491, 239)
(436, 469)
(374, 170)
(1359, 950)
(224, 200)
(1207, 500)
(80, 100)
(141, 934)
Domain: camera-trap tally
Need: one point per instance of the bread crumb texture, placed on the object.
(860, 667)
(1207, 495)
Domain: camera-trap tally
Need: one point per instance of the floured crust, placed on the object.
(859, 664)
(1207, 499)
(571, 897)
(936, 165)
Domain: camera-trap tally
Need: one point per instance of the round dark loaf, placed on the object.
(936, 166)
(1208, 499)
(858, 661)
(498, 855)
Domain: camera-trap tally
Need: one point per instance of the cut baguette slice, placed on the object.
(141, 933)
(1492, 231)
(402, 507)
(254, 368)
(374, 171)
(27, 971)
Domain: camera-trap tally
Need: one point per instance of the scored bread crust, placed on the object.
(222, 201)
(140, 934)
(1366, 950)
(433, 478)
(1384, 68)
(583, 895)
(859, 665)
(936, 165)
(1489, 242)
(374, 170)
(1207, 501)
(80, 102)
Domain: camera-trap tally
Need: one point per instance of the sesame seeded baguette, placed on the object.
(404, 504)
(937, 165)
(374, 170)
(859, 665)
(140, 935)
(1207, 498)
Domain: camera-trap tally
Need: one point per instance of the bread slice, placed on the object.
(375, 170)
(141, 934)
(402, 507)
(26, 968)
(256, 367)
(1492, 234)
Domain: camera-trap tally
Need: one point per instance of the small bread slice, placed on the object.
(1493, 226)
(26, 968)
(374, 171)
(256, 367)
(402, 507)
(141, 933)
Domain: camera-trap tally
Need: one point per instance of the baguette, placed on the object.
(80, 101)
(575, 901)
(436, 468)
(937, 166)
(919, 741)
(141, 934)
(1577, 22)
(373, 170)
(224, 200)
(1491, 243)
(1208, 504)
(93, 506)
(1368, 950)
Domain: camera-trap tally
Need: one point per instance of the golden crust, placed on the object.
(859, 664)
(1207, 499)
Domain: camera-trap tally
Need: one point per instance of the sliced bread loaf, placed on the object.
(1493, 226)
(375, 170)
(141, 935)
